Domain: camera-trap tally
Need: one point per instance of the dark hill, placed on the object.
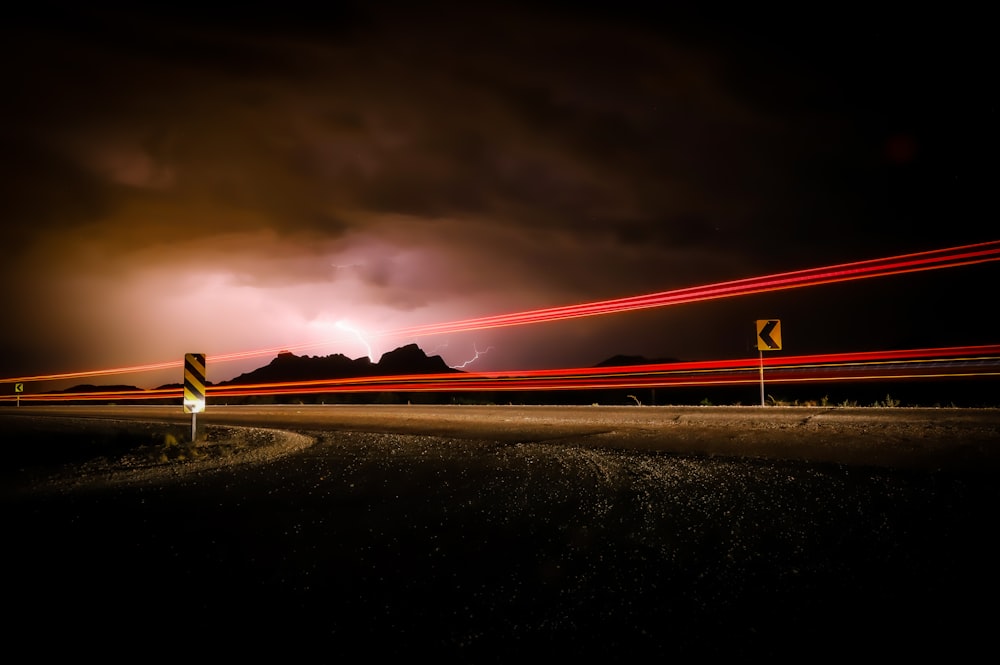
(628, 361)
(409, 359)
(88, 388)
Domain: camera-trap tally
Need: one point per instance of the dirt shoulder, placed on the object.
(59, 454)
(55, 451)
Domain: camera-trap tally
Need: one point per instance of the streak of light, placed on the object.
(105, 395)
(133, 369)
(361, 338)
(952, 257)
(909, 364)
(907, 263)
(473, 359)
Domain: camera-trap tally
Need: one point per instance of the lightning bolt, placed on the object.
(473, 359)
(359, 335)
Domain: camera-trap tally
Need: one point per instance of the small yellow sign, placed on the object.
(769, 335)
(194, 383)
(19, 387)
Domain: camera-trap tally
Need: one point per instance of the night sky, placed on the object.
(220, 181)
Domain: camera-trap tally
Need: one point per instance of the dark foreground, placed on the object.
(397, 545)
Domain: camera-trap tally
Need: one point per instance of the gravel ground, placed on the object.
(61, 454)
(336, 544)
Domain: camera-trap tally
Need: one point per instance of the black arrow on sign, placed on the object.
(765, 334)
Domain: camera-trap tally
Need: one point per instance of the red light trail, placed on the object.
(963, 255)
(897, 265)
(937, 363)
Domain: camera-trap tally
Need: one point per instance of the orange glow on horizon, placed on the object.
(907, 263)
(949, 362)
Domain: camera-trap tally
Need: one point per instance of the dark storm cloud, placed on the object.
(578, 124)
(43, 189)
(267, 168)
(574, 127)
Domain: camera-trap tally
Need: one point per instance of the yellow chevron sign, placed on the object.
(19, 387)
(194, 383)
(769, 335)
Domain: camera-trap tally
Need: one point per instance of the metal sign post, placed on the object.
(768, 337)
(194, 388)
(762, 378)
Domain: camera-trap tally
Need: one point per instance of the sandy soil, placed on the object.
(60, 454)
(682, 536)
(100, 449)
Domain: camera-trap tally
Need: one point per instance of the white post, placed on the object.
(194, 416)
(762, 378)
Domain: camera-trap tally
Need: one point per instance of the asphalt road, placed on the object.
(472, 534)
(931, 438)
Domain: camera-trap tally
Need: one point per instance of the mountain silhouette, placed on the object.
(628, 361)
(408, 359)
(88, 388)
(287, 366)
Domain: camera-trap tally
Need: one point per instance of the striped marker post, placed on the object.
(194, 387)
